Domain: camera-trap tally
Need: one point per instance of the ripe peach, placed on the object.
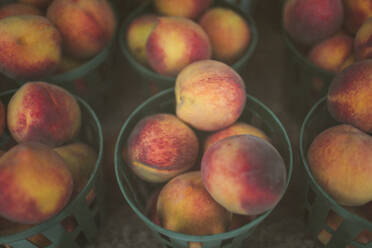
(35, 183)
(138, 32)
(340, 161)
(43, 113)
(37, 3)
(244, 173)
(18, 9)
(237, 128)
(356, 13)
(349, 61)
(210, 95)
(186, 8)
(362, 42)
(175, 43)
(330, 54)
(310, 21)
(228, 33)
(30, 46)
(87, 26)
(349, 94)
(2, 118)
(185, 206)
(161, 147)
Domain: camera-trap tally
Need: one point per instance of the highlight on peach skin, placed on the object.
(18, 9)
(185, 8)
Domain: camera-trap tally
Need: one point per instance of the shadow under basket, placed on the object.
(318, 204)
(157, 82)
(136, 191)
(79, 222)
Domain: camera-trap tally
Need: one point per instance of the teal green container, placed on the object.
(85, 216)
(136, 192)
(157, 81)
(317, 202)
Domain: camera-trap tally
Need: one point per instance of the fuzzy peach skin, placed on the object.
(228, 32)
(349, 95)
(237, 128)
(356, 13)
(330, 54)
(35, 183)
(310, 21)
(340, 159)
(210, 95)
(175, 43)
(185, 206)
(244, 173)
(30, 46)
(43, 113)
(363, 41)
(87, 26)
(2, 118)
(186, 8)
(160, 147)
(138, 32)
(37, 3)
(18, 9)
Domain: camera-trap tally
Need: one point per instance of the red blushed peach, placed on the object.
(18, 9)
(30, 46)
(244, 173)
(2, 118)
(43, 113)
(185, 206)
(186, 8)
(340, 159)
(138, 32)
(93, 25)
(175, 43)
(37, 3)
(210, 95)
(356, 13)
(237, 128)
(362, 42)
(310, 21)
(161, 147)
(35, 183)
(228, 33)
(349, 95)
(330, 54)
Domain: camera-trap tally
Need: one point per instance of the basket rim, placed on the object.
(335, 206)
(68, 209)
(168, 80)
(196, 238)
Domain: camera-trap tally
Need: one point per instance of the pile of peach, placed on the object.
(46, 165)
(340, 158)
(179, 33)
(235, 175)
(39, 38)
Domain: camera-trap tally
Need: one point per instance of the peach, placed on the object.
(244, 173)
(349, 95)
(340, 159)
(228, 32)
(2, 118)
(210, 95)
(185, 206)
(37, 3)
(160, 147)
(349, 61)
(310, 21)
(138, 32)
(186, 8)
(43, 113)
(30, 46)
(80, 160)
(237, 128)
(18, 9)
(362, 42)
(35, 183)
(356, 13)
(175, 43)
(330, 54)
(87, 26)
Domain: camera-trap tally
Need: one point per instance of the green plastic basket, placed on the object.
(136, 192)
(159, 82)
(86, 216)
(317, 202)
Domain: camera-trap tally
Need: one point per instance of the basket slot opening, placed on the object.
(227, 242)
(39, 240)
(81, 240)
(364, 237)
(69, 223)
(91, 199)
(164, 237)
(332, 223)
